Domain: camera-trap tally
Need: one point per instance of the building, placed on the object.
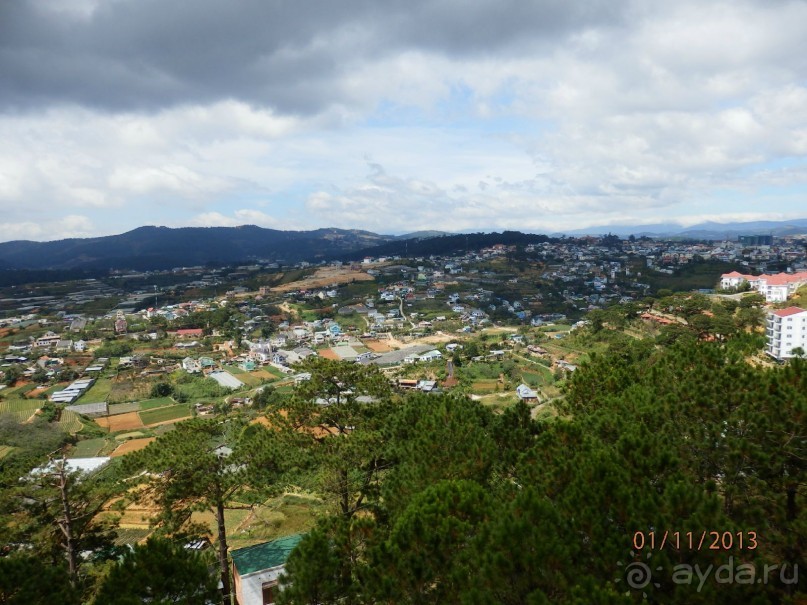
(755, 240)
(775, 288)
(257, 569)
(786, 330)
(526, 394)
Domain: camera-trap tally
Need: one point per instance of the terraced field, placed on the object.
(20, 409)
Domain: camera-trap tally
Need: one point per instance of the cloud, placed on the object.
(70, 226)
(398, 115)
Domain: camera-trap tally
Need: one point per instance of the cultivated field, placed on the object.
(20, 409)
(121, 422)
(88, 448)
(159, 415)
(133, 445)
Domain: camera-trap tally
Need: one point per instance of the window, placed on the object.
(269, 590)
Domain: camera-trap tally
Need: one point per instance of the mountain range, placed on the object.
(709, 230)
(147, 248)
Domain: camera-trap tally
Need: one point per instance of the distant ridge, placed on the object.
(163, 248)
(709, 230)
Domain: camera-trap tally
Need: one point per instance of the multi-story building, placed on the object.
(786, 330)
(775, 288)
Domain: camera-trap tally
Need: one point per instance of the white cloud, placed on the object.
(636, 119)
(48, 229)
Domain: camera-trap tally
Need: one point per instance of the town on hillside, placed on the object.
(96, 375)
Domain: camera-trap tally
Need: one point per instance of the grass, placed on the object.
(124, 408)
(5, 450)
(132, 435)
(88, 448)
(159, 402)
(499, 401)
(485, 386)
(99, 391)
(165, 414)
(277, 517)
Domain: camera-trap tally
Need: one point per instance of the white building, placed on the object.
(786, 330)
(775, 288)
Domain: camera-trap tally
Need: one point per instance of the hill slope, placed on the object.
(162, 247)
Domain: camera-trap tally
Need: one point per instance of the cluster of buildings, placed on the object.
(775, 288)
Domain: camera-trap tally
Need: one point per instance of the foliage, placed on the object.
(24, 580)
(159, 572)
(478, 508)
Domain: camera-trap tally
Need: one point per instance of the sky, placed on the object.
(399, 115)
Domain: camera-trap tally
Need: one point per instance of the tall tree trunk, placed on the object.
(225, 570)
(66, 525)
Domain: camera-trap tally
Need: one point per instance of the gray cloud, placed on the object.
(284, 54)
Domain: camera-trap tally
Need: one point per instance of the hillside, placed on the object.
(162, 247)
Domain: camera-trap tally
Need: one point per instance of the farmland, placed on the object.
(165, 414)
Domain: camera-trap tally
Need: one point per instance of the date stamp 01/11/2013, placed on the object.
(695, 540)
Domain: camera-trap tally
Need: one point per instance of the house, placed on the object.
(257, 569)
(191, 365)
(526, 394)
(47, 340)
(188, 333)
(431, 355)
(786, 330)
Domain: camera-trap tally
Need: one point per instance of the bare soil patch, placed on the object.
(121, 422)
(328, 354)
(325, 277)
(376, 346)
(133, 445)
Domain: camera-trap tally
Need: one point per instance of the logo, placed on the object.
(638, 575)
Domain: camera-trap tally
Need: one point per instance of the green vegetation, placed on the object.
(165, 414)
(88, 448)
(160, 402)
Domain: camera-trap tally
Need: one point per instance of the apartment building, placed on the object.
(786, 330)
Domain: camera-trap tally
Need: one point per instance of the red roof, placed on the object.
(789, 311)
(189, 332)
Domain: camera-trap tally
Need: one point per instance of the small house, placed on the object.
(257, 570)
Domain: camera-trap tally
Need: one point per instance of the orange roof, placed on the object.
(789, 311)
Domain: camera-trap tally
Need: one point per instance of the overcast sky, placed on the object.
(399, 115)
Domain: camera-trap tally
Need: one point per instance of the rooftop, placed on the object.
(788, 312)
(264, 556)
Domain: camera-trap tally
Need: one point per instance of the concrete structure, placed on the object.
(257, 569)
(786, 330)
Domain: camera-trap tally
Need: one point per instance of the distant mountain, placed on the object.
(422, 235)
(707, 230)
(162, 248)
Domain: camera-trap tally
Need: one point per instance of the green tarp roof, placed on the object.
(264, 556)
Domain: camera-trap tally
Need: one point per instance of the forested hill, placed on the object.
(450, 244)
(162, 248)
